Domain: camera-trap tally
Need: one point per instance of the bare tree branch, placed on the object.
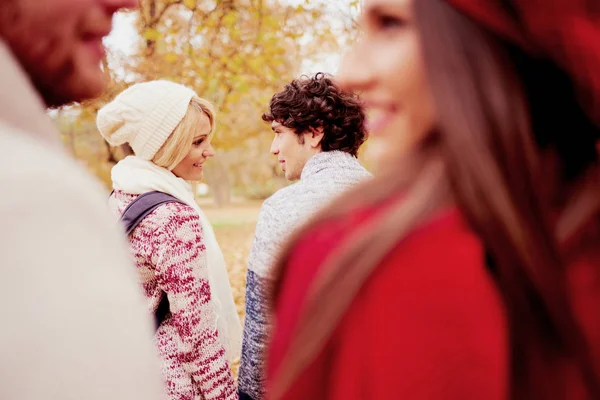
(159, 16)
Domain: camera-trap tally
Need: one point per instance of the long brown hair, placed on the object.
(500, 154)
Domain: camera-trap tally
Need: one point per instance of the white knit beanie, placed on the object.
(144, 115)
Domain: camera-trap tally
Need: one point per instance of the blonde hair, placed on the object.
(178, 144)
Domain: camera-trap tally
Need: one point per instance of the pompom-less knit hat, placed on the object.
(144, 115)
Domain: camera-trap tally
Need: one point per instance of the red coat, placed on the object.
(428, 324)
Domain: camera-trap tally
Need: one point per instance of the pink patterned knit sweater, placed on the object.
(170, 256)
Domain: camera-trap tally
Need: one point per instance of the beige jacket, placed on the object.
(73, 322)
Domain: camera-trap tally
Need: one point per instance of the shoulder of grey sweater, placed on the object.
(283, 195)
(271, 222)
(64, 247)
(278, 207)
(288, 204)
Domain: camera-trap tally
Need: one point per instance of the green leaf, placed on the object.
(151, 34)
(230, 18)
(171, 57)
(243, 87)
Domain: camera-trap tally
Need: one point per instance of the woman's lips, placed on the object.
(378, 119)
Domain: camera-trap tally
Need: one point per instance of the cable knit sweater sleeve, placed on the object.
(182, 274)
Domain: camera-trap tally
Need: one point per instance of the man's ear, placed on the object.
(315, 136)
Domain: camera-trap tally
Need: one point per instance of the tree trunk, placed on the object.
(217, 179)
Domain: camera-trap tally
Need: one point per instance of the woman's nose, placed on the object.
(209, 152)
(355, 73)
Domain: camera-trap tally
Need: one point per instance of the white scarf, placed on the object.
(137, 176)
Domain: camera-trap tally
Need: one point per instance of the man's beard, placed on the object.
(37, 57)
(56, 92)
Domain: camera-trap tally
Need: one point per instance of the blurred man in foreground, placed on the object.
(73, 322)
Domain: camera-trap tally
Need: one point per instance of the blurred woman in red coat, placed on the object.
(470, 267)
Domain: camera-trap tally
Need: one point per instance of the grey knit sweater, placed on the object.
(324, 176)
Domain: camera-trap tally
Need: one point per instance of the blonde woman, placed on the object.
(178, 259)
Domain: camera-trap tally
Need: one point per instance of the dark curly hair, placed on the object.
(313, 102)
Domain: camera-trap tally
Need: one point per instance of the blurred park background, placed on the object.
(237, 54)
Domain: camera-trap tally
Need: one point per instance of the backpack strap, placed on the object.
(143, 205)
(135, 212)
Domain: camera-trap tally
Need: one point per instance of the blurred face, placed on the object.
(294, 151)
(191, 168)
(385, 68)
(59, 43)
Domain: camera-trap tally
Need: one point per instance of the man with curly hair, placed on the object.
(318, 131)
